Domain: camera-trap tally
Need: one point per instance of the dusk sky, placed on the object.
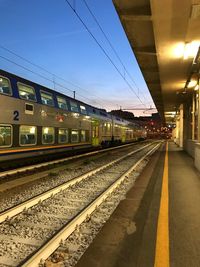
(49, 34)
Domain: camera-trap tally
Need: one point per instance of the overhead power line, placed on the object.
(44, 77)
(103, 50)
(52, 74)
(111, 45)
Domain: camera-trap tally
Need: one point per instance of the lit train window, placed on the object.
(5, 135)
(48, 135)
(83, 136)
(26, 92)
(74, 136)
(62, 103)
(5, 87)
(73, 106)
(83, 109)
(27, 135)
(62, 135)
(47, 98)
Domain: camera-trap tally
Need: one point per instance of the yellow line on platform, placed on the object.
(162, 240)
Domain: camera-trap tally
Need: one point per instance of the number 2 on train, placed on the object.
(16, 115)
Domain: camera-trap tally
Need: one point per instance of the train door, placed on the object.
(123, 135)
(95, 133)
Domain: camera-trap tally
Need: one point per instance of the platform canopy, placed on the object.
(165, 38)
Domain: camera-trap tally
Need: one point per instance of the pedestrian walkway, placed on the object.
(129, 238)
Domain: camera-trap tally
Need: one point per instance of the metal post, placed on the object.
(74, 94)
(193, 115)
(181, 126)
(198, 137)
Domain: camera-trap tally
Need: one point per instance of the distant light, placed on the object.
(196, 87)
(170, 113)
(75, 115)
(22, 93)
(46, 130)
(43, 113)
(32, 130)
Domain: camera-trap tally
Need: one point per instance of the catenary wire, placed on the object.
(44, 77)
(103, 50)
(112, 47)
(52, 74)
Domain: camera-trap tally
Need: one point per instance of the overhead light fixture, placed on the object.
(195, 13)
(191, 49)
(170, 113)
(177, 50)
(186, 51)
(192, 83)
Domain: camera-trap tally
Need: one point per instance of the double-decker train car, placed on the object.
(37, 121)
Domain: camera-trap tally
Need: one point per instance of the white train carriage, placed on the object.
(36, 121)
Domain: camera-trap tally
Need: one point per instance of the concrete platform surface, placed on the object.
(129, 238)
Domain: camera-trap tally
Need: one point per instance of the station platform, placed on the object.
(158, 224)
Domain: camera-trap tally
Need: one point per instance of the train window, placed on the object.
(5, 135)
(48, 135)
(5, 87)
(83, 136)
(83, 109)
(74, 136)
(47, 98)
(27, 135)
(26, 92)
(62, 103)
(62, 135)
(74, 106)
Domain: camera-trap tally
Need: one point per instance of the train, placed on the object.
(38, 121)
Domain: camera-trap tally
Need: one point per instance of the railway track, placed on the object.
(46, 165)
(21, 189)
(36, 227)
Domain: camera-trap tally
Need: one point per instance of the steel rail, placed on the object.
(35, 200)
(45, 164)
(51, 245)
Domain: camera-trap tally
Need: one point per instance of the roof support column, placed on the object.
(181, 127)
(198, 131)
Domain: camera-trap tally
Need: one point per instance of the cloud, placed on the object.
(49, 36)
(61, 34)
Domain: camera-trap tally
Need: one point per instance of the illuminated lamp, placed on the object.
(192, 83)
(23, 93)
(32, 130)
(196, 88)
(191, 49)
(46, 130)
